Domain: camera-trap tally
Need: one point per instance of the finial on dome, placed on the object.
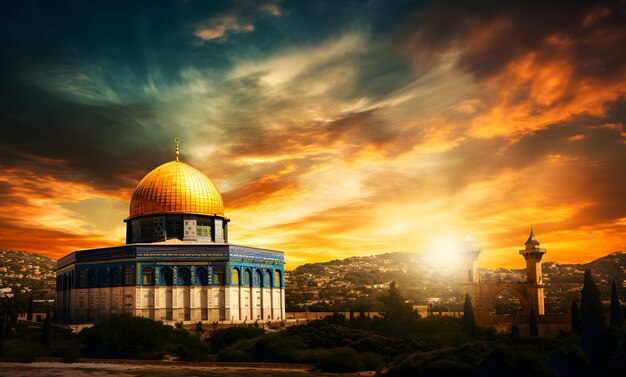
(177, 140)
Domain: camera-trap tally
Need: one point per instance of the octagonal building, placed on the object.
(177, 264)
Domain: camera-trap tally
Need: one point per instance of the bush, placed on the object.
(339, 360)
(444, 362)
(124, 336)
(273, 348)
(21, 350)
(221, 339)
(68, 351)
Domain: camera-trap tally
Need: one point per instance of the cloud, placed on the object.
(218, 27)
(271, 8)
(346, 142)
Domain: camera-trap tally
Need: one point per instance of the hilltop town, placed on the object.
(357, 282)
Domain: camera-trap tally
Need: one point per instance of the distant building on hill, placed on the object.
(177, 264)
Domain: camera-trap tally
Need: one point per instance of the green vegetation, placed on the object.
(124, 336)
(469, 322)
(592, 323)
(617, 315)
(398, 343)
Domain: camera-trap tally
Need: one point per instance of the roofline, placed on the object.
(175, 213)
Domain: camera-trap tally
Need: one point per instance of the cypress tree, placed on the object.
(469, 321)
(46, 330)
(532, 323)
(617, 317)
(29, 311)
(592, 322)
(398, 315)
(575, 317)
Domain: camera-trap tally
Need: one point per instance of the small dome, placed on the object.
(176, 188)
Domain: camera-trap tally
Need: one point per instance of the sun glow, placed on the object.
(445, 252)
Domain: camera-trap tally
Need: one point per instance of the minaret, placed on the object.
(533, 254)
(471, 251)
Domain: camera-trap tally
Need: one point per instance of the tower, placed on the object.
(469, 260)
(533, 254)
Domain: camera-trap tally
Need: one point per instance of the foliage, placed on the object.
(575, 317)
(29, 310)
(532, 324)
(277, 348)
(124, 336)
(592, 322)
(21, 350)
(46, 330)
(617, 316)
(336, 359)
(221, 339)
(322, 334)
(69, 350)
(398, 315)
(502, 356)
(469, 321)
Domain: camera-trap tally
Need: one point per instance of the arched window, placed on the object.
(104, 278)
(167, 276)
(91, 276)
(82, 278)
(128, 276)
(247, 278)
(258, 278)
(218, 275)
(203, 276)
(277, 278)
(235, 276)
(116, 279)
(184, 276)
(267, 279)
(147, 276)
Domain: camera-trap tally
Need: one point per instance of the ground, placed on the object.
(45, 369)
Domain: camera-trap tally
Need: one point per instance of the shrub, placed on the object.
(69, 351)
(21, 350)
(339, 359)
(276, 348)
(221, 339)
(124, 336)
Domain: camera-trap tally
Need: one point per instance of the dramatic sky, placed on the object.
(332, 128)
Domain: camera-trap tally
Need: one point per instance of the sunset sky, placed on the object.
(332, 128)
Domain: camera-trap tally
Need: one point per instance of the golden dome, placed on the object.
(176, 188)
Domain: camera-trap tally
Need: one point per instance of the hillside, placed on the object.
(24, 272)
(359, 281)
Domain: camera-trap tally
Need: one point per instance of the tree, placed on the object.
(29, 312)
(398, 315)
(617, 316)
(575, 317)
(532, 323)
(592, 323)
(46, 330)
(469, 321)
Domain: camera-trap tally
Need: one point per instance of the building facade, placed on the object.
(177, 264)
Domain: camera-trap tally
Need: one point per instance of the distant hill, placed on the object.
(344, 283)
(24, 272)
(356, 281)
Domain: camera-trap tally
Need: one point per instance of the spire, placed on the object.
(177, 140)
(531, 238)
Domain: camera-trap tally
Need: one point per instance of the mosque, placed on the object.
(177, 264)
